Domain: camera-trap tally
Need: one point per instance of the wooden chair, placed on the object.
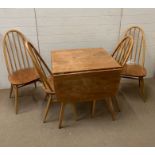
(19, 66)
(47, 80)
(123, 50)
(121, 55)
(135, 68)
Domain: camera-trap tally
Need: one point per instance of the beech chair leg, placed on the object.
(11, 90)
(139, 82)
(47, 107)
(93, 108)
(75, 111)
(116, 104)
(141, 79)
(61, 115)
(16, 99)
(111, 108)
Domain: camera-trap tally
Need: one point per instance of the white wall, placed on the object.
(76, 28)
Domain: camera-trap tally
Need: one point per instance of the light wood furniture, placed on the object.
(135, 68)
(121, 55)
(46, 77)
(85, 75)
(123, 50)
(19, 67)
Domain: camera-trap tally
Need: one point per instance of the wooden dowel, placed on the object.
(19, 42)
(16, 50)
(7, 55)
(26, 53)
(12, 52)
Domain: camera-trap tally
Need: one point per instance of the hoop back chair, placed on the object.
(120, 54)
(123, 50)
(19, 66)
(46, 77)
(135, 69)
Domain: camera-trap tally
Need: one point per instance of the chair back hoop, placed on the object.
(15, 53)
(139, 46)
(40, 65)
(123, 50)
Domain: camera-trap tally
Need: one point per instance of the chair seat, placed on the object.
(51, 82)
(133, 70)
(23, 76)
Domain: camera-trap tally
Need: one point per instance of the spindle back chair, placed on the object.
(121, 55)
(41, 67)
(138, 51)
(19, 66)
(135, 68)
(123, 50)
(46, 77)
(15, 53)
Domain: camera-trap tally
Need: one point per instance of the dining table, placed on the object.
(84, 74)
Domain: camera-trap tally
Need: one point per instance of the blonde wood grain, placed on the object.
(123, 50)
(47, 107)
(61, 114)
(23, 76)
(87, 86)
(133, 70)
(111, 108)
(11, 90)
(20, 73)
(16, 99)
(93, 108)
(78, 60)
(85, 75)
(139, 46)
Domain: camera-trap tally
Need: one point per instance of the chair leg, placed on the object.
(47, 107)
(93, 108)
(35, 84)
(61, 115)
(111, 108)
(75, 111)
(141, 80)
(11, 90)
(116, 104)
(16, 99)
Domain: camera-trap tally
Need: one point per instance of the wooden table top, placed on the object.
(79, 60)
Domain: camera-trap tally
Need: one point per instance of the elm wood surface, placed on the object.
(23, 76)
(18, 63)
(133, 70)
(85, 75)
(87, 86)
(77, 60)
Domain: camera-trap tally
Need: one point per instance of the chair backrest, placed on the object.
(15, 53)
(123, 50)
(139, 46)
(40, 66)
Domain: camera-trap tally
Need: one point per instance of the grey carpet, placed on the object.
(135, 124)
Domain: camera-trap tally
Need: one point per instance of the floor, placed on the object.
(135, 124)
